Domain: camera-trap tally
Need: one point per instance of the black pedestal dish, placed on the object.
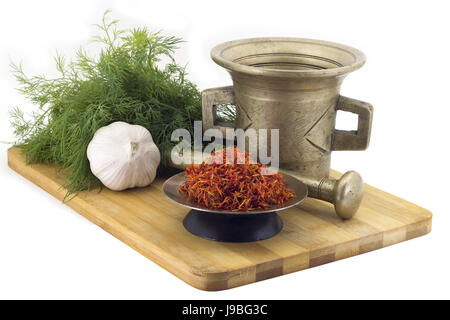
(223, 225)
(232, 227)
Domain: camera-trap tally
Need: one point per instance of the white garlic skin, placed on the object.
(123, 156)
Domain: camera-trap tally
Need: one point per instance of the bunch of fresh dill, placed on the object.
(124, 83)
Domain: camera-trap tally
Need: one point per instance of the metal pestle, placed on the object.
(345, 193)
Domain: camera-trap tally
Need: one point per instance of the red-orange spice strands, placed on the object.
(218, 184)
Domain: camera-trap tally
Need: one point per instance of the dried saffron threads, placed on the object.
(237, 185)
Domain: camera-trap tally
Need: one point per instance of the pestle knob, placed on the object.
(347, 193)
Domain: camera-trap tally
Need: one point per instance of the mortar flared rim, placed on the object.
(352, 59)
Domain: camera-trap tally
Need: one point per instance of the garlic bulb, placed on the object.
(123, 156)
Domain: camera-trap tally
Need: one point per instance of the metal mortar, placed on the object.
(293, 85)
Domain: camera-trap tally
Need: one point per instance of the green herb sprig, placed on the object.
(124, 83)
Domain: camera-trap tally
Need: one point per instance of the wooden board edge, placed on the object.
(220, 281)
(207, 281)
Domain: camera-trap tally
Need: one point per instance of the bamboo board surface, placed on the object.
(312, 235)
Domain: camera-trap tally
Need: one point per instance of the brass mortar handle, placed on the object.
(359, 139)
(345, 193)
(210, 99)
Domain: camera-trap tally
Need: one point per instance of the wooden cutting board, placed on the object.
(312, 235)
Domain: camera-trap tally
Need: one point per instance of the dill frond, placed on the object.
(123, 83)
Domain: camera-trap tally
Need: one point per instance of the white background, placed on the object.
(49, 251)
